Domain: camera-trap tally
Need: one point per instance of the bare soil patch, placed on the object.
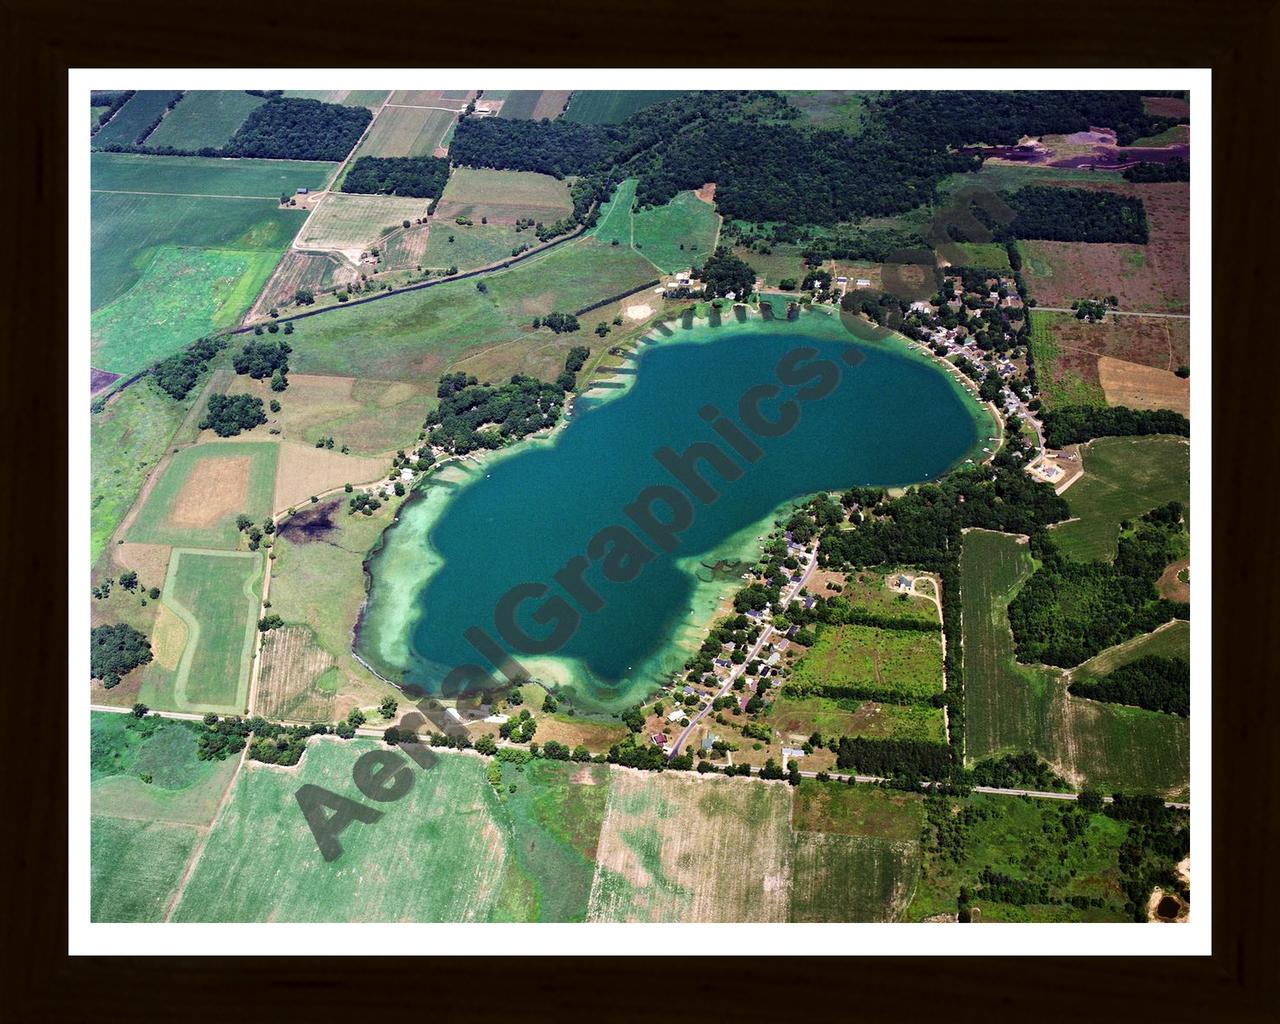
(1170, 586)
(1143, 387)
(169, 638)
(149, 561)
(304, 471)
(215, 489)
(707, 193)
(640, 311)
(1166, 106)
(291, 664)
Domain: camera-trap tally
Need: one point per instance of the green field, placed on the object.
(134, 117)
(205, 176)
(672, 237)
(372, 98)
(1007, 177)
(902, 663)
(502, 196)
(833, 108)
(782, 262)
(1124, 478)
(406, 131)
(1011, 708)
(343, 221)
(800, 717)
(126, 440)
(476, 246)
(420, 335)
(202, 490)
(610, 106)
(1173, 641)
(216, 594)
(988, 255)
(184, 293)
(149, 795)
(436, 855)
(1025, 840)
(1058, 386)
(205, 117)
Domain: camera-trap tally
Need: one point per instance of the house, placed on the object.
(688, 690)
(303, 191)
(659, 739)
(406, 474)
(677, 715)
(904, 582)
(774, 658)
(721, 663)
(708, 742)
(863, 282)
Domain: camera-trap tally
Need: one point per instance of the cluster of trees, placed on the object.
(115, 651)
(274, 743)
(261, 359)
(419, 176)
(228, 415)
(724, 272)
(1073, 424)
(561, 323)
(1075, 215)
(177, 375)
(1176, 169)
(1152, 682)
(113, 101)
(573, 362)
(519, 729)
(299, 129)
(1016, 771)
(472, 415)
(221, 737)
(1068, 611)
(902, 759)
(364, 503)
(1158, 838)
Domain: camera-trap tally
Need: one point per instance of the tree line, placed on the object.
(419, 176)
(1152, 682)
(1074, 424)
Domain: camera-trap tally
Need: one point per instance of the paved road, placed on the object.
(737, 670)
(1114, 312)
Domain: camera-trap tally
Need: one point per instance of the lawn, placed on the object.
(183, 293)
(897, 663)
(502, 196)
(205, 176)
(216, 594)
(1124, 478)
(1060, 384)
(134, 117)
(1010, 708)
(205, 117)
(406, 131)
(438, 854)
(1025, 840)
(195, 501)
(126, 440)
(357, 222)
(610, 106)
(614, 222)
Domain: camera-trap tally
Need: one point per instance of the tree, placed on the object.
(270, 622)
(391, 735)
(129, 580)
(278, 383)
(115, 651)
(154, 593)
(486, 745)
(388, 707)
(356, 718)
(139, 710)
(243, 522)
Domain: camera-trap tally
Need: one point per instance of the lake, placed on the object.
(473, 531)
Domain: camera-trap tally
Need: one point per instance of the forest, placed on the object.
(723, 273)
(912, 759)
(115, 651)
(472, 415)
(1068, 611)
(1152, 682)
(177, 375)
(1075, 215)
(1074, 424)
(422, 177)
(260, 359)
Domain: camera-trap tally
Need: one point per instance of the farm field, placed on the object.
(205, 117)
(1025, 840)
(798, 718)
(353, 223)
(902, 663)
(134, 117)
(368, 416)
(371, 98)
(201, 491)
(1172, 641)
(205, 176)
(503, 197)
(150, 796)
(476, 246)
(989, 255)
(314, 272)
(1124, 478)
(1145, 278)
(1062, 381)
(429, 98)
(1143, 387)
(610, 106)
(184, 293)
(678, 234)
(1011, 708)
(297, 680)
(127, 438)
(215, 594)
(436, 855)
(783, 262)
(533, 104)
(406, 131)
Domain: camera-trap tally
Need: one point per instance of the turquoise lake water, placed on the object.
(474, 531)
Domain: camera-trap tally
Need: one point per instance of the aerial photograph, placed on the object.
(610, 506)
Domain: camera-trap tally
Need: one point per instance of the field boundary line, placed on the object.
(182, 195)
(198, 852)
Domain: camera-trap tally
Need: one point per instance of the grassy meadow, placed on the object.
(205, 117)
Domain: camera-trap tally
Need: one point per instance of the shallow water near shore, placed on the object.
(473, 530)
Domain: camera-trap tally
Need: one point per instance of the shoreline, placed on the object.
(706, 598)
